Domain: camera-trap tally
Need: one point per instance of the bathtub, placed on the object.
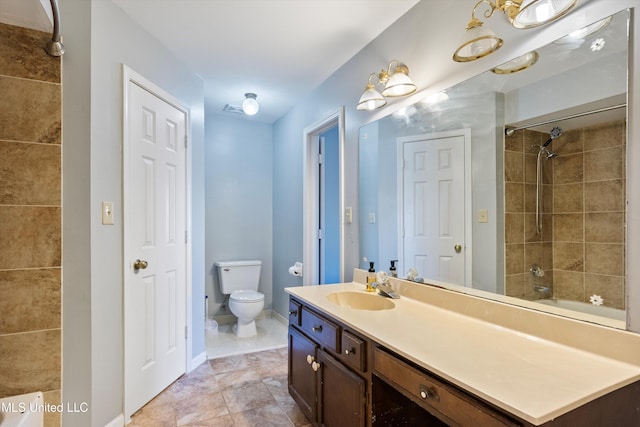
(24, 410)
(583, 307)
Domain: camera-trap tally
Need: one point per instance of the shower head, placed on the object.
(550, 154)
(555, 132)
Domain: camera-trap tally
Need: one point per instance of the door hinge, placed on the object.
(320, 234)
(186, 236)
(320, 158)
(186, 332)
(185, 141)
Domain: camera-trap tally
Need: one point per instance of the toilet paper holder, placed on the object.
(296, 269)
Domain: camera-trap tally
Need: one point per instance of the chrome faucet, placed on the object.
(386, 291)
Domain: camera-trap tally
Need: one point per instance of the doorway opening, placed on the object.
(323, 228)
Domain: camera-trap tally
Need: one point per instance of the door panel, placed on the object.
(434, 208)
(154, 221)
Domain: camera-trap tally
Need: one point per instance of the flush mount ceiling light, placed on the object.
(520, 63)
(479, 41)
(396, 83)
(250, 104)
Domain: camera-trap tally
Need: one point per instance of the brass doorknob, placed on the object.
(140, 264)
(458, 248)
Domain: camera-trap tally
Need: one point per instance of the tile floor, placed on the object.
(241, 390)
(271, 334)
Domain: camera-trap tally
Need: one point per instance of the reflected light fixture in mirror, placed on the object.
(250, 104)
(479, 41)
(520, 63)
(396, 83)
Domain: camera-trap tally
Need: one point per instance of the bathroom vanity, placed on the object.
(437, 357)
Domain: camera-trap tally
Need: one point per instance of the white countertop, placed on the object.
(533, 378)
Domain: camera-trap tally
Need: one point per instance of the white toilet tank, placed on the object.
(238, 275)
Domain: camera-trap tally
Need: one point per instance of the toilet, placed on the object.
(240, 280)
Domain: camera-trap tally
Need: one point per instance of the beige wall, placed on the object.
(30, 216)
(582, 246)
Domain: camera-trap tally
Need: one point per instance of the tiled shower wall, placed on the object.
(582, 246)
(30, 216)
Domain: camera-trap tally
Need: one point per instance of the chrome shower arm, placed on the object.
(54, 46)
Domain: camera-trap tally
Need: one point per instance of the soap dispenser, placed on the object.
(371, 277)
(392, 269)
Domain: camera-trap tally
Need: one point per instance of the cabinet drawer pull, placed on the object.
(315, 366)
(293, 312)
(349, 351)
(429, 393)
(317, 328)
(310, 359)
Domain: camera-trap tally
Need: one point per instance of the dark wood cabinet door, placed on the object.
(303, 383)
(342, 394)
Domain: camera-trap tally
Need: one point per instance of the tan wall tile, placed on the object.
(530, 191)
(568, 227)
(514, 228)
(514, 259)
(568, 198)
(31, 237)
(514, 142)
(568, 285)
(52, 418)
(30, 111)
(513, 166)
(604, 258)
(30, 174)
(610, 288)
(604, 164)
(568, 169)
(22, 54)
(570, 142)
(604, 196)
(607, 227)
(608, 135)
(514, 285)
(568, 256)
(530, 168)
(514, 197)
(30, 300)
(29, 362)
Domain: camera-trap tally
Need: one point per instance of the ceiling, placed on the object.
(279, 49)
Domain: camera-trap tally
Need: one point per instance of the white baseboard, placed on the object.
(280, 318)
(116, 422)
(198, 360)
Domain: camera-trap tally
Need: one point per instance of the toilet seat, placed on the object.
(246, 296)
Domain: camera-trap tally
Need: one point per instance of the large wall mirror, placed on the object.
(512, 184)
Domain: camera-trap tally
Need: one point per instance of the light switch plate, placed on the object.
(107, 213)
(483, 215)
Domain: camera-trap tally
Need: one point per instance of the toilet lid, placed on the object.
(246, 296)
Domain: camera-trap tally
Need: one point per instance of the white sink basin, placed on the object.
(360, 300)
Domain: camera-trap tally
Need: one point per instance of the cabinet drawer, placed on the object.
(294, 312)
(441, 399)
(354, 351)
(320, 329)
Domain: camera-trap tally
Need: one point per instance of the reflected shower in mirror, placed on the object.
(535, 212)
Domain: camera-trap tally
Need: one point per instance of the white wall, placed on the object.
(424, 39)
(238, 200)
(92, 169)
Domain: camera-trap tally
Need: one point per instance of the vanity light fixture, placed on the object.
(480, 41)
(396, 83)
(583, 33)
(520, 63)
(250, 104)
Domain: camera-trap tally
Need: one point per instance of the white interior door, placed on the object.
(433, 208)
(155, 246)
